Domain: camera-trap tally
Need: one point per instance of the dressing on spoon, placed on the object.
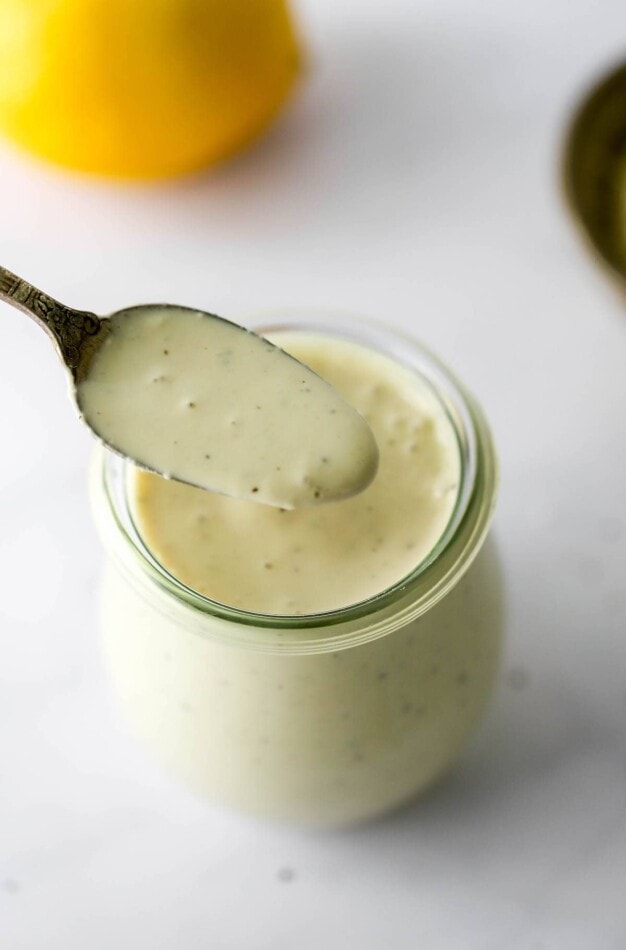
(196, 398)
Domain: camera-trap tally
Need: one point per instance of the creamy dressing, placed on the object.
(245, 712)
(201, 400)
(311, 560)
(331, 737)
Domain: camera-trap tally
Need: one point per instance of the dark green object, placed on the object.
(595, 169)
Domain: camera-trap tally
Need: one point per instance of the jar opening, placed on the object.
(471, 436)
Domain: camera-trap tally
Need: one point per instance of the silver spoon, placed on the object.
(77, 334)
(219, 407)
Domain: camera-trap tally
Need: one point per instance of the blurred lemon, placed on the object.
(142, 88)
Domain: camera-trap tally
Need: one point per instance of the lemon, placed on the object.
(142, 88)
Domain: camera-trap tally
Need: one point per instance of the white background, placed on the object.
(414, 179)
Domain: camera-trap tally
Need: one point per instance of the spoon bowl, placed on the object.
(188, 395)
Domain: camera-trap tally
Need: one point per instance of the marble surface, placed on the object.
(414, 179)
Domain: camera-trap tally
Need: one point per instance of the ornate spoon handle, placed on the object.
(76, 333)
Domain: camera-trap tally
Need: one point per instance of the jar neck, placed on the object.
(413, 595)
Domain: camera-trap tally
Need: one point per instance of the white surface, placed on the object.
(414, 180)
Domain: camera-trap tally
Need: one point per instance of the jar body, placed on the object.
(319, 738)
(321, 719)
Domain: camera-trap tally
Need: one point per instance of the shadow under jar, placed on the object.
(326, 717)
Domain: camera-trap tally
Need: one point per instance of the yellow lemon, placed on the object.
(142, 88)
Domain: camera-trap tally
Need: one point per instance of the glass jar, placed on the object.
(322, 719)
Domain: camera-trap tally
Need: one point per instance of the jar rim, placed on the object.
(405, 599)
